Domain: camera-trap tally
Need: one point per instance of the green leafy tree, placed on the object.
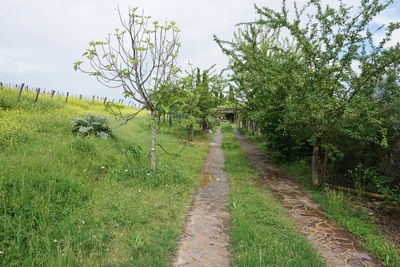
(332, 41)
(198, 99)
(318, 83)
(140, 59)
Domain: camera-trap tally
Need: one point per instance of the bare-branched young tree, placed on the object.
(140, 58)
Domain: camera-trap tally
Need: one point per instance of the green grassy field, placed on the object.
(261, 232)
(70, 201)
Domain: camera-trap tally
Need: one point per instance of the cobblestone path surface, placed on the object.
(205, 239)
(336, 246)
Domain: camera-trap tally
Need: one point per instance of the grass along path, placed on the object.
(337, 207)
(261, 232)
(335, 245)
(68, 201)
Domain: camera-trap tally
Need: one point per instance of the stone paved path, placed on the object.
(336, 246)
(205, 239)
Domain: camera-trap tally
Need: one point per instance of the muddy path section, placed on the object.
(205, 238)
(335, 245)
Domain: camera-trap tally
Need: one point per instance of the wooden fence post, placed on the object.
(52, 93)
(1, 85)
(20, 91)
(37, 94)
(66, 99)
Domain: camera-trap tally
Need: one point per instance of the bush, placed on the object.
(91, 125)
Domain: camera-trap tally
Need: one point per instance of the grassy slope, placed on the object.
(80, 201)
(261, 233)
(338, 208)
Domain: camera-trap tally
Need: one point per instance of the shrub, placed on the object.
(91, 125)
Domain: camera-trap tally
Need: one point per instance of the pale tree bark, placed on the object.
(140, 59)
(153, 141)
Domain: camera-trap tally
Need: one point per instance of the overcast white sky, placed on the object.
(40, 40)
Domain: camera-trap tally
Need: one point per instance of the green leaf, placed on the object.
(77, 65)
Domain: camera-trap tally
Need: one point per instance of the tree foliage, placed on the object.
(319, 81)
(198, 95)
(140, 58)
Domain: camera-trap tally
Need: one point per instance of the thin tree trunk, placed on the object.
(190, 133)
(159, 120)
(324, 168)
(315, 163)
(153, 141)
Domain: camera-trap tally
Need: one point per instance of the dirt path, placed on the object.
(336, 246)
(205, 239)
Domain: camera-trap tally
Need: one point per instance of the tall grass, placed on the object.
(70, 201)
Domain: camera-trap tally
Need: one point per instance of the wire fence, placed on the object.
(66, 95)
